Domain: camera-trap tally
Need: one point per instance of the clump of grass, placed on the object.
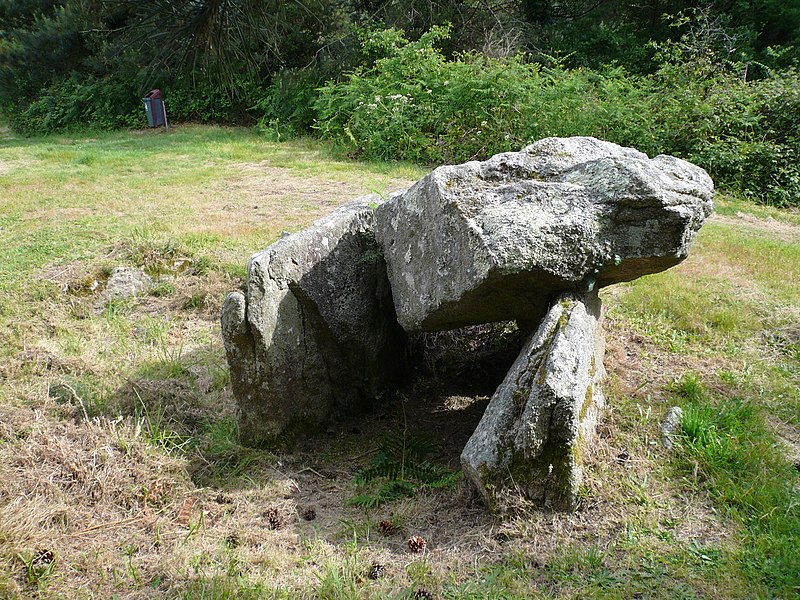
(690, 387)
(729, 453)
(221, 460)
(79, 392)
(230, 588)
(197, 301)
(156, 429)
(155, 255)
(162, 289)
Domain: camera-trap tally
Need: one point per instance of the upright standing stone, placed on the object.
(315, 333)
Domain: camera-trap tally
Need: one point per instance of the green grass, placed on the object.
(66, 197)
(728, 451)
(730, 301)
(732, 206)
(716, 518)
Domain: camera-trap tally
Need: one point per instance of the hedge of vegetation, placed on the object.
(416, 104)
(431, 97)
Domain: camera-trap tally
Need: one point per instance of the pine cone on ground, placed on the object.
(273, 518)
(376, 571)
(423, 594)
(309, 514)
(43, 557)
(386, 527)
(417, 543)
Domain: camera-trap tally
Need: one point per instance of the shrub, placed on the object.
(107, 103)
(413, 103)
(752, 143)
(205, 98)
(79, 103)
(416, 104)
(286, 107)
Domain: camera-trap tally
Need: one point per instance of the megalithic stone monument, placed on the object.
(529, 236)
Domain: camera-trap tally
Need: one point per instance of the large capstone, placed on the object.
(495, 240)
(541, 420)
(315, 333)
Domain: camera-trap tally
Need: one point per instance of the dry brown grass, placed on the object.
(125, 517)
(267, 199)
(82, 490)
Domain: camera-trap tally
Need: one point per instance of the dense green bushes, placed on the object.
(416, 104)
(206, 100)
(108, 103)
(74, 104)
(411, 100)
(749, 137)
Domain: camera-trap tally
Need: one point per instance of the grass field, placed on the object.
(120, 474)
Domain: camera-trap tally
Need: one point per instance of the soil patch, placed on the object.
(773, 228)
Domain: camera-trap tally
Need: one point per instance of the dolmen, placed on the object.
(322, 327)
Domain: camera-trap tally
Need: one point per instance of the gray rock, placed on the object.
(126, 282)
(671, 426)
(535, 432)
(315, 333)
(491, 241)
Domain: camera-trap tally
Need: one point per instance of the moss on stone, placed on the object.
(545, 478)
(297, 427)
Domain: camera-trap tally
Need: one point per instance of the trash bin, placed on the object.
(154, 108)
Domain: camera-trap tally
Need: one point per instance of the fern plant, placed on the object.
(401, 466)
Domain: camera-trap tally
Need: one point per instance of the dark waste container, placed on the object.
(155, 109)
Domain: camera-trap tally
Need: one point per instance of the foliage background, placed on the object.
(428, 81)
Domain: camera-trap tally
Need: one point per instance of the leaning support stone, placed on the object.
(315, 333)
(534, 435)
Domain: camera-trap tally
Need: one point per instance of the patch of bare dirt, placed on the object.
(782, 230)
(640, 369)
(268, 198)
